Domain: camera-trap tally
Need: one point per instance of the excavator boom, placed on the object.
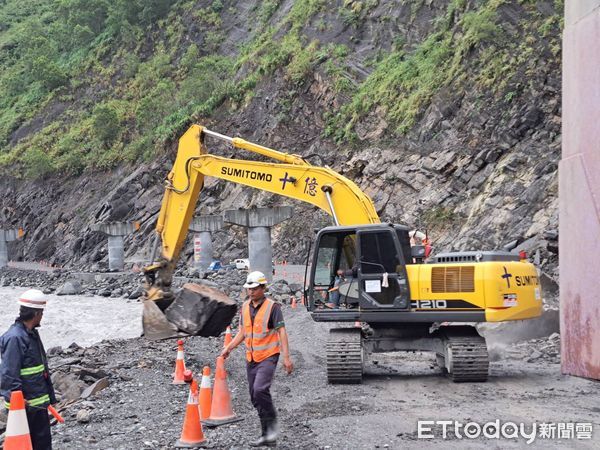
(293, 178)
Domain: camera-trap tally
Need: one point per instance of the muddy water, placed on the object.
(84, 320)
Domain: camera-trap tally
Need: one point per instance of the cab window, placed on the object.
(325, 259)
(378, 253)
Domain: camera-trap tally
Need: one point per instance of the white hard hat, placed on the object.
(255, 279)
(33, 298)
(418, 234)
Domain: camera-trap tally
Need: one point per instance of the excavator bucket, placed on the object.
(155, 324)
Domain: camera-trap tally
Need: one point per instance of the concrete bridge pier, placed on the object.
(116, 249)
(5, 237)
(259, 222)
(203, 227)
(579, 191)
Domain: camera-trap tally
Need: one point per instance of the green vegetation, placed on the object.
(403, 82)
(268, 8)
(334, 57)
(467, 48)
(353, 12)
(124, 102)
(88, 84)
(438, 217)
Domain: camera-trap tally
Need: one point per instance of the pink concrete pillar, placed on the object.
(579, 191)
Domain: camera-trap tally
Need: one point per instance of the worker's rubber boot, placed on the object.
(272, 431)
(262, 441)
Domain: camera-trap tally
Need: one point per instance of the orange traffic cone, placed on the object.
(191, 434)
(221, 412)
(17, 429)
(228, 337)
(178, 376)
(205, 398)
(294, 302)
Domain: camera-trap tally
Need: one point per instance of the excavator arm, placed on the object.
(290, 176)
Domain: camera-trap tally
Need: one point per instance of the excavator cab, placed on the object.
(378, 263)
(371, 262)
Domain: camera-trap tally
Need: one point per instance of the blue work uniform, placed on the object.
(24, 367)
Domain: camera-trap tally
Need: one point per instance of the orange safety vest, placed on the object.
(261, 342)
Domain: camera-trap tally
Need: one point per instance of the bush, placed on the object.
(439, 216)
(155, 106)
(106, 123)
(48, 73)
(131, 63)
(190, 58)
(217, 6)
(267, 9)
(139, 147)
(71, 163)
(173, 126)
(152, 10)
(37, 163)
(302, 63)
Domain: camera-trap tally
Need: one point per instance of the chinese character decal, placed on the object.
(310, 186)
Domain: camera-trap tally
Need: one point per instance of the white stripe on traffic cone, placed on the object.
(17, 429)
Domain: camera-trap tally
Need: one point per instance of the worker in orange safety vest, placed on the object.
(263, 331)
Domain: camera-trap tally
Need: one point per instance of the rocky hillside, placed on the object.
(446, 112)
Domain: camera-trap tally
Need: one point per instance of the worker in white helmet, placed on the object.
(24, 367)
(263, 331)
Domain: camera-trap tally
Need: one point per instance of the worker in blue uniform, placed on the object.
(24, 367)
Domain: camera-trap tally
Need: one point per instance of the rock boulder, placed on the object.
(201, 310)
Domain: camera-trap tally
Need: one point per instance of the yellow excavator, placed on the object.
(362, 270)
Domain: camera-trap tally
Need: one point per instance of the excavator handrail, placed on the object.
(259, 149)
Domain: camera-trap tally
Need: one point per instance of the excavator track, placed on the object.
(468, 358)
(344, 356)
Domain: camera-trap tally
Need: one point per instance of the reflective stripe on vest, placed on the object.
(39, 400)
(32, 370)
(264, 347)
(261, 342)
(34, 401)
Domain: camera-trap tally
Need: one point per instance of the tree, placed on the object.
(90, 14)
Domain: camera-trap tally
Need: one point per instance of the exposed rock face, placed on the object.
(476, 172)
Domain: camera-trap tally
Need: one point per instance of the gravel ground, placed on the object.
(141, 409)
